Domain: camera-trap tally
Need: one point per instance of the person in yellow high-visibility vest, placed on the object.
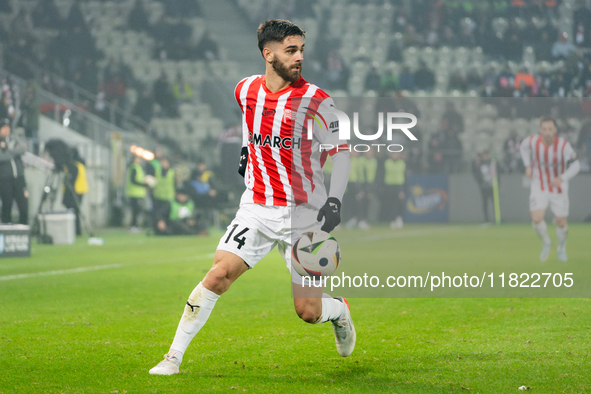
(394, 180)
(135, 190)
(163, 193)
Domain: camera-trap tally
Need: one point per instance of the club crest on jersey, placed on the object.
(268, 111)
(274, 141)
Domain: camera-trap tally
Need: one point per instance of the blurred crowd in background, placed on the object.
(524, 46)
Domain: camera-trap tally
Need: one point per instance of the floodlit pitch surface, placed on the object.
(95, 319)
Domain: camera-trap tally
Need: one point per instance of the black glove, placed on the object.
(243, 161)
(331, 212)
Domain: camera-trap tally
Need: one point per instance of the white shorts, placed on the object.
(559, 203)
(256, 230)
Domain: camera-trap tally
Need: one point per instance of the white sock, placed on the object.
(194, 317)
(332, 309)
(542, 231)
(561, 233)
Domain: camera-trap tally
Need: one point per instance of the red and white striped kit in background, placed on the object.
(276, 146)
(549, 161)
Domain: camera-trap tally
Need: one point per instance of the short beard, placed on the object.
(285, 73)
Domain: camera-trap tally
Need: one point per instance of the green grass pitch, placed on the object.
(95, 319)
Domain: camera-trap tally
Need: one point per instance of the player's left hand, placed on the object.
(556, 182)
(331, 212)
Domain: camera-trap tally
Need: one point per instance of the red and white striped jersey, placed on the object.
(547, 161)
(284, 166)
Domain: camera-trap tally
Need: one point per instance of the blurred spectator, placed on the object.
(20, 25)
(524, 81)
(483, 171)
(543, 47)
(451, 148)
(138, 17)
(561, 49)
(30, 120)
(373, 79)
(144, 105)
(512, 156)
(388, 83)
(473, 79)
(12, 175)
(202, 187)
(45, 14)
(207, 48)
(178, 217)
(75, 19)
(582, 25)
(88, 76)
(457, 81)
(135, 190)
(394, 181)
(424, 77)
(337, 71)
(182, 90)
(435, 154)
(163, 96)
(512, 43)
(451, 119)
(395, 51)
(406, 79)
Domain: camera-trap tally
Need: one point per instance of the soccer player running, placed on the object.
(285, 194)
(551, 162)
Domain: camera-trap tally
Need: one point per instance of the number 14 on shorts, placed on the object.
(240, 241)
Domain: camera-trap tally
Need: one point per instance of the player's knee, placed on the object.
(561, 222)
(216, 279)
(308, 313)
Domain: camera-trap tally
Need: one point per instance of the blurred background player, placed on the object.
(394, 181)
(482, 169)
(136, 191)
(13, 187)
(272, 203)
(551, 162)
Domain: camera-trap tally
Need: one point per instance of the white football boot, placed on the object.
(168, 366)
(344, 331)
(545, 252)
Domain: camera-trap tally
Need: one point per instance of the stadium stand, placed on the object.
(133, 50)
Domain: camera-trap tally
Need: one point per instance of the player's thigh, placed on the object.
(538, 202)
(559, 205)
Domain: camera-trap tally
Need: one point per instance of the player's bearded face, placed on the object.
(290, 73)
(548, 131)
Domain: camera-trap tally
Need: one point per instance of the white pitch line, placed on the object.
(98, 267)
(60, 272)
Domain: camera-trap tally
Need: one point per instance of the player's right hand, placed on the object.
(528, 172)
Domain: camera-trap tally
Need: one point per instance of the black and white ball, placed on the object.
(316, 254)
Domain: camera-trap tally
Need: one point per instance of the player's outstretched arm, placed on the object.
(525, 151)
(572, 169)
(331, 211)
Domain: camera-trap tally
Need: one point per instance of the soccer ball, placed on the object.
(316, 254)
